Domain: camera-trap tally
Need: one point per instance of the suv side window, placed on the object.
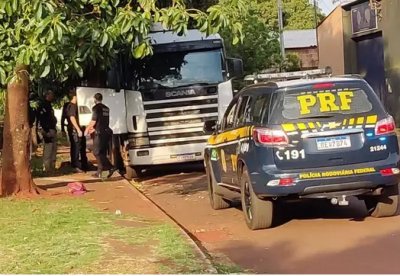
(260, 108)
(229, 117)
(248, 111)
(242, 110)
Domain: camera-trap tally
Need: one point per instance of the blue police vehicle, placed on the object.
(321, 138)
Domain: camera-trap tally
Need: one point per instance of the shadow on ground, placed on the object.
(170, 170)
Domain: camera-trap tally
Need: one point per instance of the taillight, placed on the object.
(385, 126)
(270, 137)
(390, 171)
(288, 181)
(323, 85)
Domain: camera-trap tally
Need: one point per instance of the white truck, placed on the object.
(157, 117)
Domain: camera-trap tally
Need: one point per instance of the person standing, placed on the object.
(32, 125)
(48, 123)
(100, 126)
(76, 138)
(64, 116)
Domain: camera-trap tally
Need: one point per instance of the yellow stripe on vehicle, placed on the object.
(344, 122)
(360, 120)
(311, 125)
(230, 136)
(289, 127)
(372, 119)
(302, 126)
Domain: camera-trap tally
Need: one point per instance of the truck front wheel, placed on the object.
(133, 172)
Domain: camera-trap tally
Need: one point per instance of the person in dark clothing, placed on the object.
(32, 125)
(100, 126)
(48, 123)
(76, 138)
(64, 116)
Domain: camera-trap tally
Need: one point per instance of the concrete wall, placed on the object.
(391, 25)
(330, 42)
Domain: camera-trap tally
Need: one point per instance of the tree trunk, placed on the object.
(16, 172)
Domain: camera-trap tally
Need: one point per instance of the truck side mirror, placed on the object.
(210, 126)
(235, 67)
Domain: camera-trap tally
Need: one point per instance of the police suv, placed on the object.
(327, 138)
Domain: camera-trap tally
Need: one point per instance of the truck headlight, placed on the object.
(143, 141)
(139, 142)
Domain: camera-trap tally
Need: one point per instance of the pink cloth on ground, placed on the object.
(77, 188)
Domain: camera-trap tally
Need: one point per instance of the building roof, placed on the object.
(299, 38)
(350, 2)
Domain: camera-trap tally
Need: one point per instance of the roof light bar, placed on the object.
(289, 75)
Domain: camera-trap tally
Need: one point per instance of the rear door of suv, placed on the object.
(331, 124)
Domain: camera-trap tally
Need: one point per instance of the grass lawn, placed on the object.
(68, 235)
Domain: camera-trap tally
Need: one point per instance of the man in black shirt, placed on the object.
(100, 126)
(76, 138)
(64, 115)
(48, 123)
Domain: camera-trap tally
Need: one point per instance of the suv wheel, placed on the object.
(257, 212)
(217, 202)
(385, 205)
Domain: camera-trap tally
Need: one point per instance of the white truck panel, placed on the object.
(225, 96)
(115, 101)
(134, 107)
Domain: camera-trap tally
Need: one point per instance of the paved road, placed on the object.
(313, 237)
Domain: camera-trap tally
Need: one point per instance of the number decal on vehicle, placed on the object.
(244, 147)
(291, 154)
(378, 148)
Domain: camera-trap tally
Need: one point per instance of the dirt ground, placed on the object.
(314, 237)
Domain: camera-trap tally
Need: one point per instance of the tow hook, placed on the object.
(341, 201)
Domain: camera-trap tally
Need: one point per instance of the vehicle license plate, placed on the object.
(339, 142)
(185, 157)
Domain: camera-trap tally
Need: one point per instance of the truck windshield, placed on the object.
(180, 69)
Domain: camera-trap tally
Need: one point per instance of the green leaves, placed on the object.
(78, 69)
(39, 12)
(104, 40)
(46, 71)
(142, 50)
(3, 75)
(58, 39)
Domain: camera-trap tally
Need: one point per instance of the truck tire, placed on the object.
(217, 202)
(133, 172)
(385, 205)
(258, 213)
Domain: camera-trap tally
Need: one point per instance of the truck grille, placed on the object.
(179, 121)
